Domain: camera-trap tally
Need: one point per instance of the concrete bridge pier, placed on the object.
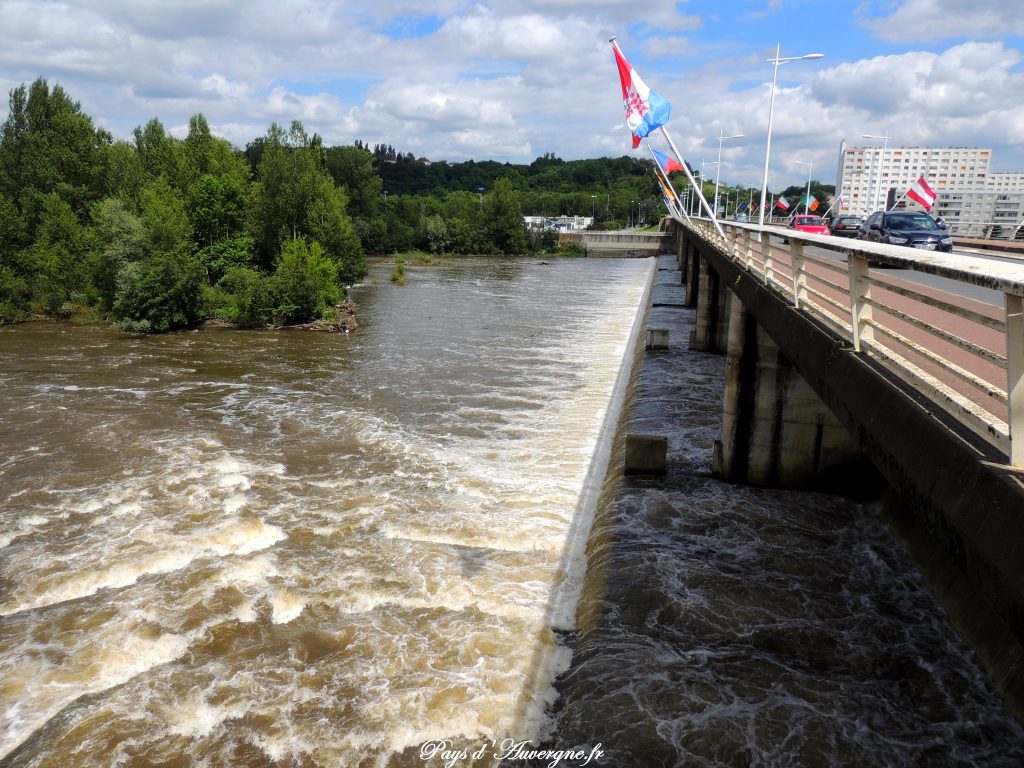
(711, 331)
(775, 430)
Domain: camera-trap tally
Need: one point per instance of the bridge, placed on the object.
(845, 373)
(626, 243)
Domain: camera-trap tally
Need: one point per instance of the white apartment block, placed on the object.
(970, 196)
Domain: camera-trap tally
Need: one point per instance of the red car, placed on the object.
(813, 224)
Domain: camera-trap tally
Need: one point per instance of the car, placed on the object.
(815, 225)
(740, 217)
(845, 226)
(913, 229)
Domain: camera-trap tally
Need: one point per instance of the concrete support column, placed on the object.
(691, 272)
(713, 300)
(682, 256)
(775, 430)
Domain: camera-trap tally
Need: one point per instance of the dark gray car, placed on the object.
(910, 228)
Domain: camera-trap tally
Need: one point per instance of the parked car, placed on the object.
(740, 217)
(812, 224)
(910, 228)
(845, 226)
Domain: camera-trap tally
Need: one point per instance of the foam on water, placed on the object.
(305, 540)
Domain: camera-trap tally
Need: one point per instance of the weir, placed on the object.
(812, 400)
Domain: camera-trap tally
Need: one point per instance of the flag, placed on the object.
(668, 164)
(645, 110)
(666, 191)
(922, 193)
(782, 203)
(810, 201)
(743, 207)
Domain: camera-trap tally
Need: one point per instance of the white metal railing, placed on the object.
(966, 356)
(989, 230)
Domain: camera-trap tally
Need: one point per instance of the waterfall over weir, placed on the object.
(293, 549)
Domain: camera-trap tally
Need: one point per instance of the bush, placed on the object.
(158, 294)
(14, 296)
(250, 299)
(305, 282)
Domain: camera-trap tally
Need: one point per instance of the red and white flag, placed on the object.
(922, 193)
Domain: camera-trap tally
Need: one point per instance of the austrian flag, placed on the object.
(646, 111)
(922, 193)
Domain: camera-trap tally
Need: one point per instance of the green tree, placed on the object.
(159, 153)
(57, 255)
(305, 282)
(352, 169)
(295, 197)
(165, 289)
(505, 218)
(47, 145)
(118, 238)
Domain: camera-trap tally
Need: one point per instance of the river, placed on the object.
(247, 547)
(298, 549)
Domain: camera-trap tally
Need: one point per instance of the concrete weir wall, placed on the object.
(803, 411)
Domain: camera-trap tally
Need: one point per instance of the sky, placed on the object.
(511, 80)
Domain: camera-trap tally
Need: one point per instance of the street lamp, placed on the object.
(593, 209)
(885, 144)
(807, 197)
(702, 164)
(631, 213)
(718, 169)
(771, 111)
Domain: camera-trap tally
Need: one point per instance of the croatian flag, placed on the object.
(668, 164)
(782, 203)
(922, 193)
(645, 110)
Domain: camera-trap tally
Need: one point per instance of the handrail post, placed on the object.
(769, 262)
(1015, 376)
(748, 254)
(796, 252)
(860, 293)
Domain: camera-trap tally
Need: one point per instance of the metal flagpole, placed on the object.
(833, 205)
(664, 177)
(700, 194)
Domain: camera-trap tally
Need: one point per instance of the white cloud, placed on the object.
(504, 79)
(924, 20)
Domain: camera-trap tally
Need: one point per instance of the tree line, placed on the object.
(155, 232)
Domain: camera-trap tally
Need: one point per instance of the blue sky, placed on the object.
(513, 79)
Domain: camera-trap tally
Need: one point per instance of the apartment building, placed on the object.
(970, 196)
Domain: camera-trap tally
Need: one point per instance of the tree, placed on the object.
(505, 218)
(295, 197)
(352, 168)
(47, 145)
(159, 153)
(165, 289)
(118, 238)
(57, 253)
(305, 282)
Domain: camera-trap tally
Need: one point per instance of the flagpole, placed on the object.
(836, 200)
(664, 177)
(686, 169)
(898, 202)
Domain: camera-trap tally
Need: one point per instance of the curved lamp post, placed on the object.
(718, 165)
(771, 110)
